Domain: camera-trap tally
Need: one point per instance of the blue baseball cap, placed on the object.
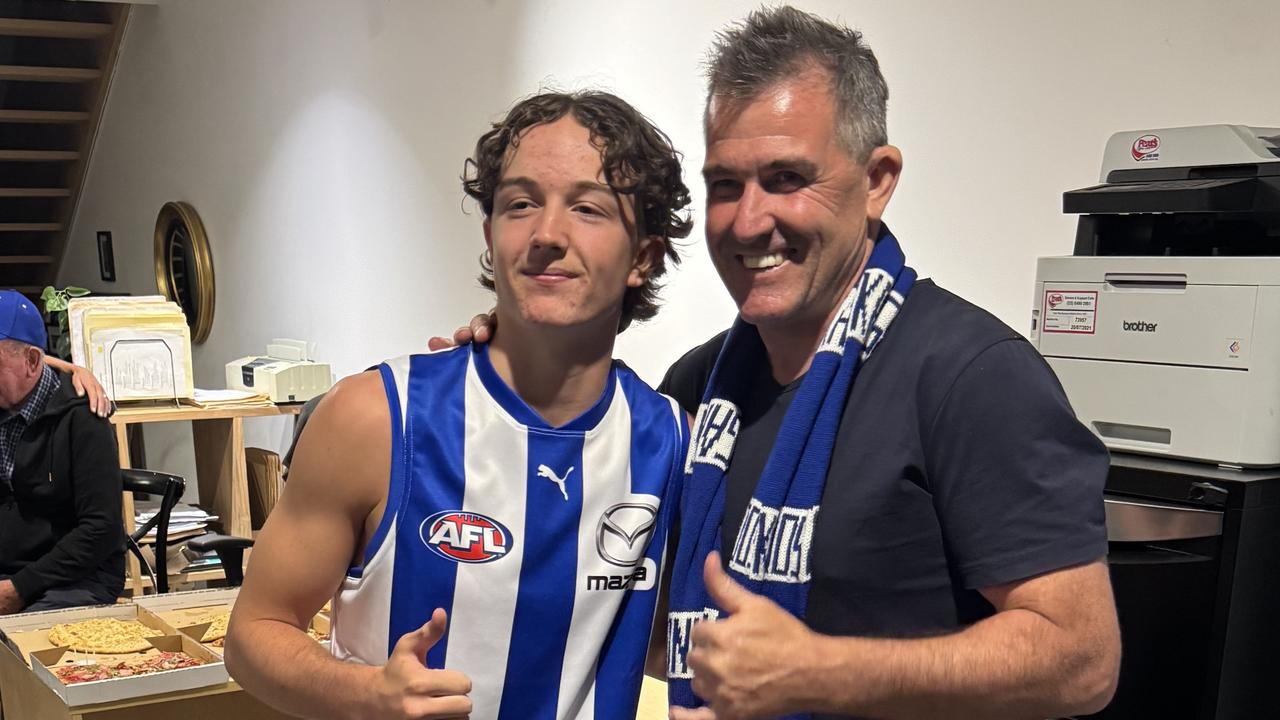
(20, 320)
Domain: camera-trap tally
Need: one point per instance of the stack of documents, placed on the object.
(139, 348)
(185, 520)
(229, 398)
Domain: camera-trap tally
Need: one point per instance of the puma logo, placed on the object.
(548, 473)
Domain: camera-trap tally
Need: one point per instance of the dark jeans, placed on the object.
(85, 592)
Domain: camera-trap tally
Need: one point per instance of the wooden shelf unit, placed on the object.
(221, 472)
(182, 578)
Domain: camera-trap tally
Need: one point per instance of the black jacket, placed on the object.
(61, 523)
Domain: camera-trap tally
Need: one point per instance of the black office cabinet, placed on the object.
(1194, 553)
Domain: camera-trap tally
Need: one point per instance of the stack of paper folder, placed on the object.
(139, 348)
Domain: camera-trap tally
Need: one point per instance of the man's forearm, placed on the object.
(1016, 664)
(279, 664)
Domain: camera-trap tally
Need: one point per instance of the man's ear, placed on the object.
(488, 236)
(648, 259)
(35, 360)
(884, 166)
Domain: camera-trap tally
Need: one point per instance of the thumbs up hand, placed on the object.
(406, 688)
(754, 664)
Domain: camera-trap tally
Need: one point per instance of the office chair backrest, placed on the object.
(170, 488)
(230, 551)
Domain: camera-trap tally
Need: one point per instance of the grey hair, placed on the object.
(12, 347)
(774, 44)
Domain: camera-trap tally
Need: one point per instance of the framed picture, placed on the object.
(106, 257)
(184, 265)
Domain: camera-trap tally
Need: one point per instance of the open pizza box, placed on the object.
(212, 672)
(192, 613)
(29, 632)
(28, 636)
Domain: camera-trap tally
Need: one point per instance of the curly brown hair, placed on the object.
(638, 160)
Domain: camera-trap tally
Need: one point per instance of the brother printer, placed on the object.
(1164, 326)
(285, 375)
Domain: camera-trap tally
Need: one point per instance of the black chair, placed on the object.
(169, 488)
(230, 552)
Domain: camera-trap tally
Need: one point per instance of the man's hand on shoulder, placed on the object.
(10, 600)
(407, 688)
(85, 384)
(479, 331)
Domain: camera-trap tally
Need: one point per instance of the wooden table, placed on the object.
(218, 435)
(653, 700)
(24, 696)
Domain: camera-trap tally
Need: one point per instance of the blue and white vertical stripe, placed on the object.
(543, 543)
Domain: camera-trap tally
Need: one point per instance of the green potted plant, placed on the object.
(55, 309)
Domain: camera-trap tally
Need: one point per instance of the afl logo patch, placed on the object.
(465, 537)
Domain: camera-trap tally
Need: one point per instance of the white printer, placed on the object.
(285, 375)
(1164, 327)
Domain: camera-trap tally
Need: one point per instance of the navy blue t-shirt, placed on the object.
(958, 465)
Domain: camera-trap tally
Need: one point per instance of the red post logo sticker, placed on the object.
(1146, 148)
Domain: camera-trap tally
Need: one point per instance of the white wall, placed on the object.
(321, 141)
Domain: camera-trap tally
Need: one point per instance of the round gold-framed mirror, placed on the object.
(184, 265)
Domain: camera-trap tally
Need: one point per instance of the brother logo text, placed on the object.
(1140, 326)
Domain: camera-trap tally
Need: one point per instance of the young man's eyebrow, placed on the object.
(517, 181)
(591, 185)
(527, 182)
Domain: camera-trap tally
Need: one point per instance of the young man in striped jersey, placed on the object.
(490, 521)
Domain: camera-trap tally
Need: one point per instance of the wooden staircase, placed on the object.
(56, 58)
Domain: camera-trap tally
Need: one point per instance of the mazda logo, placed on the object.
(624, 533)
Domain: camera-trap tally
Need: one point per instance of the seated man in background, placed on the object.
(61, 532)
(523, 488)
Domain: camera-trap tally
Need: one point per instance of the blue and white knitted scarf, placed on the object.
(771, 555)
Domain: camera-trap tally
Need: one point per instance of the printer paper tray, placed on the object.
(1185, 412)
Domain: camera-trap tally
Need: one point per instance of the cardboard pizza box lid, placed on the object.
(184, 620)
(188, 612)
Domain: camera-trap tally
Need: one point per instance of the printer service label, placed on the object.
(1070, 311)
(1146, 148)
